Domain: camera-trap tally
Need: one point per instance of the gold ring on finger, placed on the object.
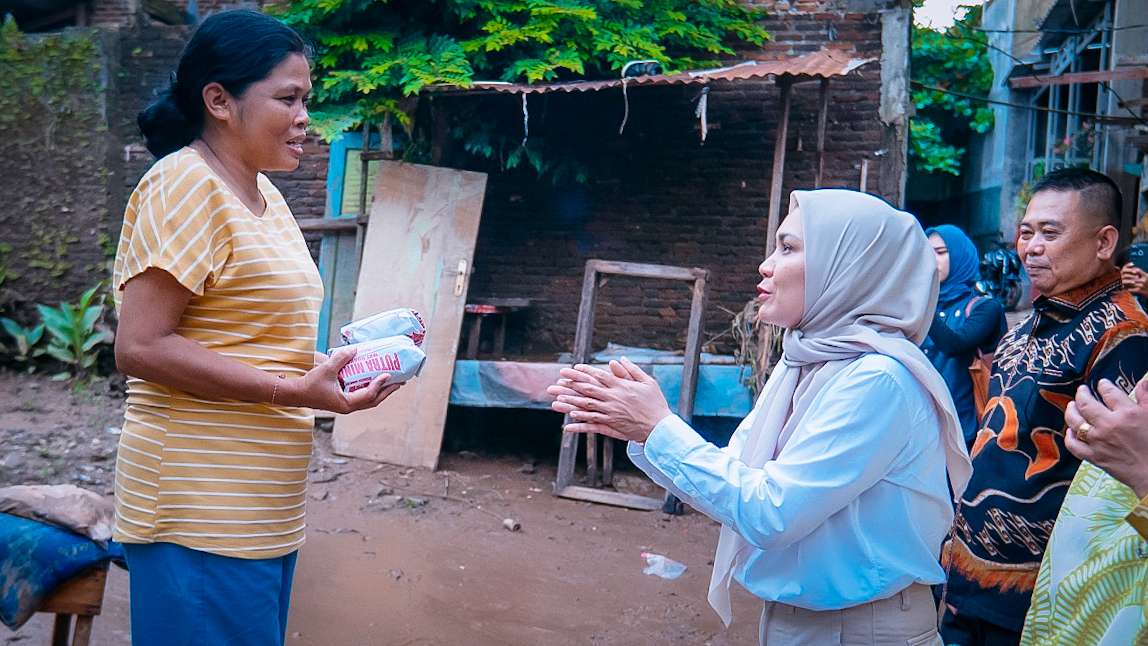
(1082, 431)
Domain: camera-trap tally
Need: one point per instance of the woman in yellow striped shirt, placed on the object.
(218, 301)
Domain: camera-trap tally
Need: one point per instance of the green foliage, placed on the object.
(26, 338)
(486, 140)
(929, 151)
(5, 249)
(54, 75)
(374, 55)
(50, 122)
(74, 331)
(957, 60)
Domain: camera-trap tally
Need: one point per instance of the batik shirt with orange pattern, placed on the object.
(1021, 469)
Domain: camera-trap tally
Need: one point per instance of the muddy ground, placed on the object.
(412, 557)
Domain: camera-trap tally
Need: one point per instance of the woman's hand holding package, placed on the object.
(320, 388)
(624, 402)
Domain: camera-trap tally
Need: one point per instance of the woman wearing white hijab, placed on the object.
(832, 492)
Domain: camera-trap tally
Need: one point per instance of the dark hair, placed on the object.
(233, 48)
(1099, 194)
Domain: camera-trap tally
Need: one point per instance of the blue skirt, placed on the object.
(185, 597)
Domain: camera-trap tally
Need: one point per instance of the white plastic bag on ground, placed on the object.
(662, 566)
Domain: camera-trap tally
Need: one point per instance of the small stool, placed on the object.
(501, 308)
(82, 596)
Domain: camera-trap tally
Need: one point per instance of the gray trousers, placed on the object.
(908, 618)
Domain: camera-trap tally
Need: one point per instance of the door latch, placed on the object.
(460, 280)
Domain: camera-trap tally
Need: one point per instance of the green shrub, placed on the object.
(74, 335)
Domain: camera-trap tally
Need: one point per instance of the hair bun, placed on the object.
(164, 125)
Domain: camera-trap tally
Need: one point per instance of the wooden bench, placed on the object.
(498, 309)
(81, 596)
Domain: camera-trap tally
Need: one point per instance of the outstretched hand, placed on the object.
(623, 402)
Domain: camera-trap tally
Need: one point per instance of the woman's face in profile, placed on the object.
(781, 292)
(941, 250)
(271, 117)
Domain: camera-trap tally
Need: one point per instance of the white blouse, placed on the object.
(853, 509)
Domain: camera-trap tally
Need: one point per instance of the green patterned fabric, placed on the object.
(1093, 581)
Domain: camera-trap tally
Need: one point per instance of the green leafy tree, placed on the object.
(955, 60)
(375, 56)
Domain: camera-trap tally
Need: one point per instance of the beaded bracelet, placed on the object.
(275, 390)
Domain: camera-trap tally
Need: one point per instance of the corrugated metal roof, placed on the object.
(1068, 15)
(821, 64)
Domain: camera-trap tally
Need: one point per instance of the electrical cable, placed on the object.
(1018, 61)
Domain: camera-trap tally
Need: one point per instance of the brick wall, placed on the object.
(305, 189)
(147, 56)
(73, 184)
(658, 195)
(113, 13)
(53, 171)
(119, 14)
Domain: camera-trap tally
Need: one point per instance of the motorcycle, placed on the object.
(1001, 275)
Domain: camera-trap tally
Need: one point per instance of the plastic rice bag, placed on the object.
(400, 322)
(397, 356)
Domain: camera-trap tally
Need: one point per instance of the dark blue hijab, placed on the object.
(964, 263)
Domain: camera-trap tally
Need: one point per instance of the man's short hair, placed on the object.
(1098, 193)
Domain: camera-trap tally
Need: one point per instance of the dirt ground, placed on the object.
(412, 557)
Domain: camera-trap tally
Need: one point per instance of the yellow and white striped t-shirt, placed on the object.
(225, 477)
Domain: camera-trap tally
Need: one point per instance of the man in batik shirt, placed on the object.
(1084, 328)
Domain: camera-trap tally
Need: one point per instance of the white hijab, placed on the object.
(870, 286)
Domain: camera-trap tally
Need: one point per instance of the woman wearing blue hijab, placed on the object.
(965, 322)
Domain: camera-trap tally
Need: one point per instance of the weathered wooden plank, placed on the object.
(692, 359)
(690, 367)
(344, 282)
(80, 595)
(583, 332)
(1133, 73)
(83, 634)
(775, 184)
(326, 224)
(822, 121)
(607, 461)
(643, 270)
(418, 252)
(61, 630)
(606, 497)
(592, 475)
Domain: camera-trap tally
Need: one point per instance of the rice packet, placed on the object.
(397, 356)
(399, 322)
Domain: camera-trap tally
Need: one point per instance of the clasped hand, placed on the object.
(1118, 440)
(622, 402)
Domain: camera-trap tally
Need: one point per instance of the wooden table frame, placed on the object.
(82, 596)
(500, 307)
(568, 454)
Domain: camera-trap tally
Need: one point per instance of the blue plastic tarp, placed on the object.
(517, 384)
(35, 558)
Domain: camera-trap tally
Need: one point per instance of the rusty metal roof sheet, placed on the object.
(817, 65)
